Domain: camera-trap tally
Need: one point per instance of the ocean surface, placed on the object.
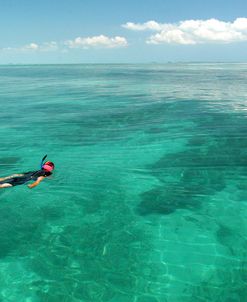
(148, 201)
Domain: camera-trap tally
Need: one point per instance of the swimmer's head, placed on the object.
(48, 166)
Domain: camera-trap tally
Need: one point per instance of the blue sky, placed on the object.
(122, 31)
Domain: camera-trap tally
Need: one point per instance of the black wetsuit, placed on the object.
(28, 176)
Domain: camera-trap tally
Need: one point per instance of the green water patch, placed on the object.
(202, 168)
(15, 232)
(148, 200)
(163, 200)
(8, 164)
(195, 177)
(95, 258)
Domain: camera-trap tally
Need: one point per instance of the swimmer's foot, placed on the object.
(2, 186)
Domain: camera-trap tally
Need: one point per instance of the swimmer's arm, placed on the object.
(34, 184)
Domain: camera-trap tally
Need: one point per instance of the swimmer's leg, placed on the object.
(6, 185)
(11, 176)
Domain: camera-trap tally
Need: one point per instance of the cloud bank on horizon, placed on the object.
(100, 41)
(187, 32)
(97, 41)
(193, 31)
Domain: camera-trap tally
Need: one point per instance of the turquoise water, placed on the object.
(148, 201)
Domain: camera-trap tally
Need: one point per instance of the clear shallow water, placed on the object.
(149, 199)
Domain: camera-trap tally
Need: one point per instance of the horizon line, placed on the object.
(129, 63)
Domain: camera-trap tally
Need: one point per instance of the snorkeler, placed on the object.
(36, 176)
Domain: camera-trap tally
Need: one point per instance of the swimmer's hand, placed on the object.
(36, 182)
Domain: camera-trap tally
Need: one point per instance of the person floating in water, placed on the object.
(36, 176)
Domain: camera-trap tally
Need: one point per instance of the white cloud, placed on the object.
(194, 31)
(240, 24)
(63, 46)
(150, 25)
(49, 46)
(46, 46)
(97, 41)
(33, 47)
